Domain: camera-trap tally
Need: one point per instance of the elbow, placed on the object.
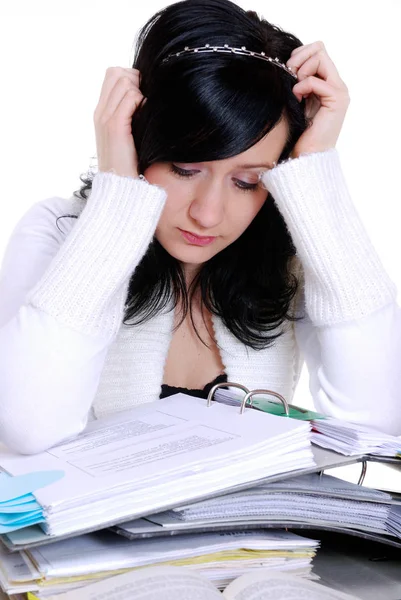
(24, 443)
(380, 412)
(389, 422)
(30, 435)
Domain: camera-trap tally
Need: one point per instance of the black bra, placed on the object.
(169, 390)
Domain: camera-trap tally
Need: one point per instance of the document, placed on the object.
(169, 583)
(159, 455)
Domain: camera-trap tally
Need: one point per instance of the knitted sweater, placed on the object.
(65, 354)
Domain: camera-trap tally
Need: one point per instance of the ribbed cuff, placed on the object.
(344, 277)
(86, 283)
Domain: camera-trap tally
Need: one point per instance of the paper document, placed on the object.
(158, 455)
(169, 583)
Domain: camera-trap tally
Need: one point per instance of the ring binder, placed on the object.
(225, 384)
(262, 391)
(363, 472)
(364, 468)
(248, 395)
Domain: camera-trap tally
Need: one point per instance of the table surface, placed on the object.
(367, 570)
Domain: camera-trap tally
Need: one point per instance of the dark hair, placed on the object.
(203, 108)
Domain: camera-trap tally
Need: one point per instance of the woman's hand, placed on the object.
(119, 98)
(327, 98)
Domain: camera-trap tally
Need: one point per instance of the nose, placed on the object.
(207, 206)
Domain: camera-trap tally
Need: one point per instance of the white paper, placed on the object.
(176, 583)
(106, 551)
(166, 452)
(153, 583)
(263, 585)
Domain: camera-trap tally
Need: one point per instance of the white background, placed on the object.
(53, 59)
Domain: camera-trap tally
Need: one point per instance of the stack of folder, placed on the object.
(153, 457)
(344, 437)
(305, 502)
(220, 557)
(186, 482)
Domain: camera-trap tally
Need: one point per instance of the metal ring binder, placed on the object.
(225, 384)
(254, 392)
(364, 468)
(248, 395)
(363, 472)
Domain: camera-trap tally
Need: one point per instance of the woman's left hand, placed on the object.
(327, 97)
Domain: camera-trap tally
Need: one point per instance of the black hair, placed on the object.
(203, 108)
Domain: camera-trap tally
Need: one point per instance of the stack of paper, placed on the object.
(312, 500)
(394, 521)
(220, 557)
(351, 439)
(160, 455)
(178, 583)
(346, 438)
(307, 499)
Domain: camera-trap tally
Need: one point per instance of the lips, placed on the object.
(197, 240)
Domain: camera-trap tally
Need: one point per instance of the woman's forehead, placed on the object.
(262, 155)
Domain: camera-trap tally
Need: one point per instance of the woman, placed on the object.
(218, 241)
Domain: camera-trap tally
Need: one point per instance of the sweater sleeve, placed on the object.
(350, 336)
(62, 301)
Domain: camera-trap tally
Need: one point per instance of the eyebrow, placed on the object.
(251, 166)
(267, 165)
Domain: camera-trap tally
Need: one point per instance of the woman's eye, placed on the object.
(246, 186)
(242, 185)
(181, 172)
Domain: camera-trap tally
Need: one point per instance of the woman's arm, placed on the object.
(351, 336)
(62, 302)
(354, 368)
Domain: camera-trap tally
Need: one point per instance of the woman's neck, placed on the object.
(190, 272)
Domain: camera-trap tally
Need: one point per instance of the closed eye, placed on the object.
(241, 185)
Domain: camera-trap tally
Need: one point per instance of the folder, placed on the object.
(217, 460)
(307, 502)
(341, 436)
(18, 505)
(158, 455)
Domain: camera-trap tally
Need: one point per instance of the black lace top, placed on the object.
(169, 390)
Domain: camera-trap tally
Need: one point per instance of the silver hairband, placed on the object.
(226, 49)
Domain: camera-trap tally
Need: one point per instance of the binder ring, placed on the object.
(225, 384)
(254, 392)
(363, 472)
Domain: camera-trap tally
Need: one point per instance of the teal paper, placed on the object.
(21, 501)
(8, 520)
(20, 485)
(20, 508)
(27, 535)
(21, 525)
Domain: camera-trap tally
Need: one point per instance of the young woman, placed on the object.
(217, 240)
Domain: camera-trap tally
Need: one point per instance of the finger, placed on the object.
(325, 92)
(128, 105)
(113, 74)
(309, 47)
(315, 61)
(297, 50)
(116, 95)
(134, 73)
(318, 66)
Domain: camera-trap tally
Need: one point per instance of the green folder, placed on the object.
(276, 408)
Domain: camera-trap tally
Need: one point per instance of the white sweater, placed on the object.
(65, 355)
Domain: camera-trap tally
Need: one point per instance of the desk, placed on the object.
(368, 570)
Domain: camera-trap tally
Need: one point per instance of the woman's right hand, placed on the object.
(119, 98)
